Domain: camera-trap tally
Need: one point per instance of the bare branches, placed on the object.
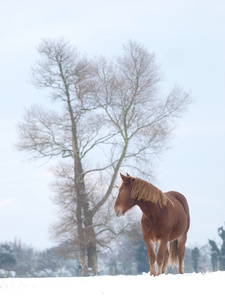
(142, 119)
(45, 134)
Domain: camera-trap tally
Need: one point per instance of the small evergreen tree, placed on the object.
(195, 255)
(141, 256)
(218, 255)
(140, 253)
(7, 256)
(221, 233)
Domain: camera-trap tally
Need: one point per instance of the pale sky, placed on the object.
(188, 39)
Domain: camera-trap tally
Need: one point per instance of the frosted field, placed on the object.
(188, 286)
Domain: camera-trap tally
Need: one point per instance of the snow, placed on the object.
(143, 286)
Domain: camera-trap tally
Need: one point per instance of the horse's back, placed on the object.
(173, 196)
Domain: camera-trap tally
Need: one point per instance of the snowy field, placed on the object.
(188, 286)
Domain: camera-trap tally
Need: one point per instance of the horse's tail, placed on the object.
(173, 250)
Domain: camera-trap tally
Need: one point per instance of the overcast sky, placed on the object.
(188, 39)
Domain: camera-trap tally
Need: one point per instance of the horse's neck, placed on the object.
(149, 208)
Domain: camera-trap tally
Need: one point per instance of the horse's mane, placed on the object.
(143, 190)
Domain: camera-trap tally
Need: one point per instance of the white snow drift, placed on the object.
(187, 286)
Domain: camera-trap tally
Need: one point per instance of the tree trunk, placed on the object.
(93, 258)
(81, 195)
(81, 201)
(85, 230)
(91, 243)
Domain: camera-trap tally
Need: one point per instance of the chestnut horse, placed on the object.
(165, 219)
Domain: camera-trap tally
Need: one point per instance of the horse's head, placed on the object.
(124, 202)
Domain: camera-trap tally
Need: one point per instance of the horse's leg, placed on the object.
(181, 252)
(166, 257)
(161, 256)
(151, 256)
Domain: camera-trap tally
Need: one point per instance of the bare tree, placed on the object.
(130, 100)
(111, 117)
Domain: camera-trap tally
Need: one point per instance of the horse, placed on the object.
(165, 219)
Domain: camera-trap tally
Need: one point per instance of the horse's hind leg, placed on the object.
(181, 253)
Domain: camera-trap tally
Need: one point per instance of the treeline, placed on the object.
(20, 260)
(128, 256)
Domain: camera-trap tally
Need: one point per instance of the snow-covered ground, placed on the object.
(188, 286)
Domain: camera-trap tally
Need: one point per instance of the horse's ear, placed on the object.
(124, 178)
(128, 175)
